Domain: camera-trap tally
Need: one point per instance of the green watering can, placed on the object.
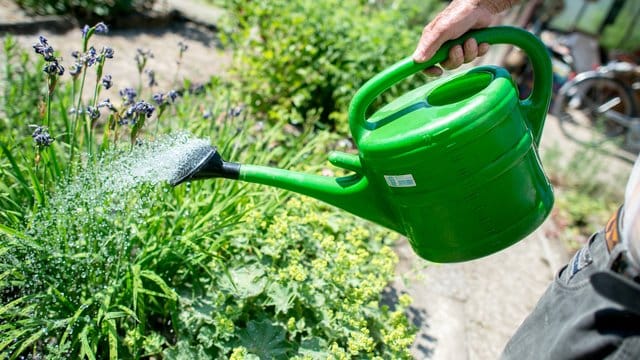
(453, 164)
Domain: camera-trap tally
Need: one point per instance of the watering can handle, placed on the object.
(535, 106)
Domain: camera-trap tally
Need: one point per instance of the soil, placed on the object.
(464, 311)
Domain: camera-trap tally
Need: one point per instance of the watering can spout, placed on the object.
(352, 193)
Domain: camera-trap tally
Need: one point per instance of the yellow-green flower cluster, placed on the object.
(360, 342)
(238, 353)
(331, 270)
(401, 335)
(224, 325)
(294, 271)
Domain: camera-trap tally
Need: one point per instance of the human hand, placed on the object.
(455, 20)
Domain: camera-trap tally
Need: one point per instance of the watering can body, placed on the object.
(453, 165)
(457, 166)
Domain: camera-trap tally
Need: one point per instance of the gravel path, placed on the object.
(203, 59)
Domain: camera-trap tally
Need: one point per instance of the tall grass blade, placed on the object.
(37, 188)
(150, 275)
(16, 172)
(85, 347)
(25, 344)
(10, 336)
(112, 335)
(12, 232)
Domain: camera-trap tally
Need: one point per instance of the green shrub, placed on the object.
(96, 264)
(86, 9)
(304, 59)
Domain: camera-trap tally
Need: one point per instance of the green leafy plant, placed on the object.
(303, 60)
(99, 261)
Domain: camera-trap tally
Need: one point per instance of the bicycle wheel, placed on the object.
(583, 105)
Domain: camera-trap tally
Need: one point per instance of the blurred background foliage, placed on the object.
(86, 10)
(303, 60)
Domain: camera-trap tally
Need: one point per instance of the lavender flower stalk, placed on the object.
(84, 59)
(41, 137)
(52, 68)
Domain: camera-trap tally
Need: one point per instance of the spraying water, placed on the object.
(87, 235)
(156, 162)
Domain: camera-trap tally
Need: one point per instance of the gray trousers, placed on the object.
(574, 321)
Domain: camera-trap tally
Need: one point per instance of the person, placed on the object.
(592, 308)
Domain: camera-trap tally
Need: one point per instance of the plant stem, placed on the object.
(47, 119)
(79, 102)
(74, 124)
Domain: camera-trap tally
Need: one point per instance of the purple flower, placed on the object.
(91, 56)
(76, 54)
(152, 78)
(107, 82)
(236, 111)
(101, 28)
(158, 98)
(129, 95)
(75, 69)
(173, 95)
(168, 98)
(93, 112)
(107, 52)
(140, 108)
(85, 31)
(43, 48)
(143, 107)
(107, 103)
(41, 136)
(54, 68)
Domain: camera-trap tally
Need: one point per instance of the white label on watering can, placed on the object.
(400, 180)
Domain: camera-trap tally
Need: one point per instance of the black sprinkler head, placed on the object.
(205, 163)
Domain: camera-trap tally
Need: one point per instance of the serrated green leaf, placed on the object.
(183, 351)
(245, 282)
(281, 297)
(314, 348)
(206, 336)
(264, 339)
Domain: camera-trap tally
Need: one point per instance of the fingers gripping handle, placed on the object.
(535, 106)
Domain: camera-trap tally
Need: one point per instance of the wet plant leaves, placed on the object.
(207, 336)
(264, 339)
(313, 348)
(281, 297)
(245, 282)
(183, 351)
